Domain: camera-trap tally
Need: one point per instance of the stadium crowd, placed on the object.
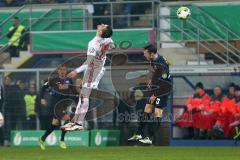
(212, 117)
(20, 106)
(8, 3)
(13, 3)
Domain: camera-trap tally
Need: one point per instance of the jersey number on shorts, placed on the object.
(157, 100)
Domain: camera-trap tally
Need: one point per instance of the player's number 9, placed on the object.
(157, 100)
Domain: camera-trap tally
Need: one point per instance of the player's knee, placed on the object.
(158, 112)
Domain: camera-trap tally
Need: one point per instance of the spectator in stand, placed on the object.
(46, 1)
(62, 1)
(11, 107)
(21, 85)
(17, 37)
(237, 93)
(11, 3)
(101, 10)
(22, 2)
(210, 113)
(22, 111)
(235, 123)
(194, 106)
(237, 115)
(30, 103)
(43, 110)
(31, 1)
(2, 4)
(231, 91)
(221, 128)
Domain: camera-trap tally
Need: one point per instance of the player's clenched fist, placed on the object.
(72, 74)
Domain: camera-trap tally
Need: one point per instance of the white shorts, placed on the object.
(91, 79)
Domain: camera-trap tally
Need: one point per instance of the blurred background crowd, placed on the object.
(12, 3)
(211, 114)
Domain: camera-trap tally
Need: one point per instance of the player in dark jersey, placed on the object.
(60, 88)
(159, 89)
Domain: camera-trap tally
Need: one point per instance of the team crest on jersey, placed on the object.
(92, 50)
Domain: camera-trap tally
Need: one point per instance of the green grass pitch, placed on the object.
(121, 153)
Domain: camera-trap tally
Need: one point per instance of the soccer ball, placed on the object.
(1, 120)
(183, 13)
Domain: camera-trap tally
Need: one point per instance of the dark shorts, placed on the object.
(14, 51)
(162, 91)
(161, 102)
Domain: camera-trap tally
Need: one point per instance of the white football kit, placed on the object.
(94, 70)
(96, 56)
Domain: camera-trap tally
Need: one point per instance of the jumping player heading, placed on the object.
(160, 87)
(94, 70)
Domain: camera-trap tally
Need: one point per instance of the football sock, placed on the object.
(156, 126)
(63, 135)
(158, 123)
(48, 131)
(143, 122)
(77, 111)
(150, 129)
(82, 111)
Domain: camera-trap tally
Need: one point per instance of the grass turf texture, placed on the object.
(122, 153)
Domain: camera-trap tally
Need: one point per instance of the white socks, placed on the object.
(81, 110)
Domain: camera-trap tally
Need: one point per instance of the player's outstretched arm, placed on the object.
(82, 68)
(74, 73)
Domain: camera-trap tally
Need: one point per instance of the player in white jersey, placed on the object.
(94, 70)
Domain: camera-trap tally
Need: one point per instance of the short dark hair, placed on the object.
(237, 88)
(107, 32)
(199, 85)
(61, 66)
(151, 48)
(232, 85)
